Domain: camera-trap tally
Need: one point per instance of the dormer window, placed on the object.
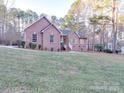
(34, 37)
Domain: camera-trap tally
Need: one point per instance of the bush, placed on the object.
(39, 47)
(23, 44)
(99, 47)
(19, 43)
(118, 51)
(108, 51)
(32, 45)
(58, 50)
(52, 49)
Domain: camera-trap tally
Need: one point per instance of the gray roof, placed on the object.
(81, 34)
(65, 32)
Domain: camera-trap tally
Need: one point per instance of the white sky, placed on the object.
(50, 7)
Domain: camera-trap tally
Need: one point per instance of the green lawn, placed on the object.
(24, 71)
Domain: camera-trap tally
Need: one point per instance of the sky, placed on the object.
(50, 7)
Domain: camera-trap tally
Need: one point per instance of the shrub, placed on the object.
(58, 49)
(118, 51)
(39, 47)
(99, 47)
(19, 43)
(32, 45)
(52, 49)
(23, 44)
(14, 44)
(108, 51)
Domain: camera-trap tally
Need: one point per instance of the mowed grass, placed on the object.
(25, 71)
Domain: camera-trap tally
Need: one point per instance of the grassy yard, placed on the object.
(24, 71)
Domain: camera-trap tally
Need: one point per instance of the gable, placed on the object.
(49, 27)
(74, 35)
(81, 34)
(73, 38)
(39, 24)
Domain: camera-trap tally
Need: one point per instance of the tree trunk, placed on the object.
(93, 40)
(114, 37)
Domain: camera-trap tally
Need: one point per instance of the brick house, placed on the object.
(75, 41)
(49, 37)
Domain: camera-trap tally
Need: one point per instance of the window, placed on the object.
(109, 46)
(34, 37)
(51, 38)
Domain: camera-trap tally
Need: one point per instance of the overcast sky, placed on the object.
(50, 7)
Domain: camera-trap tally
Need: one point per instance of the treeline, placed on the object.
(100, 20)
(14, 20)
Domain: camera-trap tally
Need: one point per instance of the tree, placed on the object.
(99, 21)
(62, 23)
(43, 14)
(13, 21)
(107, 8)
(94, 21)
(54, 20)
(4, 17)
(22, 17)
(3, 11)
(114, 25)
(72, 19)
(31, 16)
